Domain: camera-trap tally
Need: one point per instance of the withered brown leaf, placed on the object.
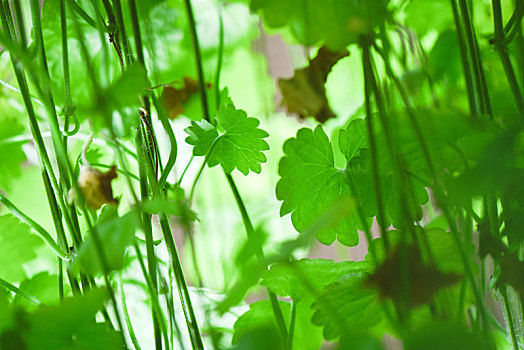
(174, 98)
(305, 93)
(96, 186)
(424, 281)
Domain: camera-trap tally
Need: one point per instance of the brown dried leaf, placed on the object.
(96, 186)
(175, 98)
(305, 93)
(424, 281)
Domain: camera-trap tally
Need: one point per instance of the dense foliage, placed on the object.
(153, 195)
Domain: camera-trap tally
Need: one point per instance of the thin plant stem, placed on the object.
(509, 318)
(437, 187)
(504, 57)
(292, 321)
(127, 319)
(20, 292)
(476, 60)
(198, 58)
(466, 68)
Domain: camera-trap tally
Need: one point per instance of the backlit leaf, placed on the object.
(310, 184)
(116, 234)
(298, 279)
(18, 245)
(11, 151)
(70, 325)
(346, 307)
(240, 146)
(335, 23)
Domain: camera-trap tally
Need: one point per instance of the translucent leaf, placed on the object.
(298, 279)
(438, 335)
(259, 323)
(310, 184)
(17, 247)
(345, 307)
(240, 146)
(353, 138)
(116, 234)
(70, 325)
(11, 151)
(43, 286)
(336, 23)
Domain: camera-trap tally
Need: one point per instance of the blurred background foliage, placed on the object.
(265, 41)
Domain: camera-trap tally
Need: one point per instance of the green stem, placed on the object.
(20, 292)
(509, 318)
(476, 60)
(381, 217)
(69, 109)
(198, 59)
(148, 232)
(60, 278)
(466, 68)
(185, 299)
(146, 218)
(127, 319)
(22, 37)
(437, 187)
(250, 231)
(153, 291)
(504, 57)
(172, 142)
(245, 217)
(117, 8)
(80, 12)
(15, 52)
(292, 318)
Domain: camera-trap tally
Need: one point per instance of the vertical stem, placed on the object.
(381, 217)
(245, 217)
(473, 109)
(480, 79)
(509, 318)
(292, 319)
(185, 299)
(504, 57)
(117, 8)
(198, 58)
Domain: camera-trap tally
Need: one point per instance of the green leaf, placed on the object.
(438, 335)
(288, 279)
(310, 184)
(417, 12)
(116, 234)
(126, 89)
(353, 138)
(17, 247)
(70, 325)
(239, 146)
(202, 135)
(345, 307)
(259, 322)
(337, 23)
(43, 286)
(11, 151)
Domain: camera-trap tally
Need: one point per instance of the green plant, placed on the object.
(421, 151)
